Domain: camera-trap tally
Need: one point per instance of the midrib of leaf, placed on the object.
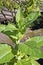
(5, 54)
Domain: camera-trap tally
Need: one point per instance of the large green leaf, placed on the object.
(30, 18)
(24, 49)
(10, 30)
(5, 53)
(19, 17)
(38, 40)
(32, 48)
(36, 45)
(24, 22)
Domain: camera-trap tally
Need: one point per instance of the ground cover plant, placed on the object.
(21, 53)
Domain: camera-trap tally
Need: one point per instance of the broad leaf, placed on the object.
(29, 19)
(37, 39)
(24, 49)
(19, 17)
(11, 31)
(36, 44)
(5, 53)
(30, 47)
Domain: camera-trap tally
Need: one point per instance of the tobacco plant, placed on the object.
(28, 52)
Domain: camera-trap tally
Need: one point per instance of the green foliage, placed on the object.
(24, 22)
(5, 53)
(10, 4)
(26, 62)
(24, 53)
(10, 27)
(32, 47)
